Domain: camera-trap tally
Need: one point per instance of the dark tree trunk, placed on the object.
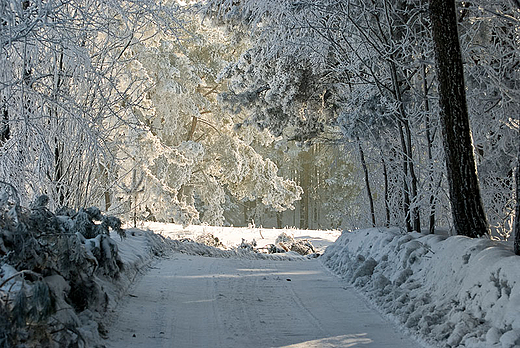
(406, 191)
(416, 216)
(59, 173)
(516, 228)
(305, 183)
(429, 140)
(5, 132)
(469, 218)
(367, 183)
(59, 146)
(386, 194)
(279, 219)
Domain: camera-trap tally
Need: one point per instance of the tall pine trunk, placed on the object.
(469, 218)
(429, 140)
(386, 194)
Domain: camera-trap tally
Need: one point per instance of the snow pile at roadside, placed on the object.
(449, 291)
(136, 251)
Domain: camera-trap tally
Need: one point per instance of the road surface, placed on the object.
(192, 301)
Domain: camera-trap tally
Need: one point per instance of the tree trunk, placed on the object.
(59, 173)
(516, 227)
(469, 218)
(406, 140)
(279, 219)
(367, 183)
(387, 206)
(416, 216)
(249, 212)
(429, 141)
(5, 132)
(59, 178)
(305, 183)
(406, 191)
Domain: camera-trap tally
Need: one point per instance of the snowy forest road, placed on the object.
(192, 301)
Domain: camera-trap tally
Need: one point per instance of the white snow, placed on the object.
(443, 291)
(450, 291)
(232, 236)
(194, 301)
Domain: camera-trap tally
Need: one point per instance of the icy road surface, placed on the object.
(192, 301)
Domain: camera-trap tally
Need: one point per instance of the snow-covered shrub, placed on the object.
(275, 249)
(210, 240)
(285, 243)
(250, 246)
(303, 247)
(284, 238)
(49, 267)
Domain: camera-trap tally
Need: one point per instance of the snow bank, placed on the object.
(449, 291)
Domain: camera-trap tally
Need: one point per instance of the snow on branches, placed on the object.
(49, 266)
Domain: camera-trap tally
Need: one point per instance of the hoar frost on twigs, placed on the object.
(49, 266)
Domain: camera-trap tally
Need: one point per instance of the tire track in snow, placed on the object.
(224, 303)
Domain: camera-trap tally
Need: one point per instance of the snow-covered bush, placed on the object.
(210, 240)
(284, 238)
(49, 267)
(285, 242)
(250, 246)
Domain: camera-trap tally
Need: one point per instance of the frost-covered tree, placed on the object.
(329, 54)
(195, 163)
(94, 94)
(64, 92)
(355, 52)
(468, 212)
(490, 48)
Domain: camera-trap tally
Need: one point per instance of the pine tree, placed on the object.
(467, 209)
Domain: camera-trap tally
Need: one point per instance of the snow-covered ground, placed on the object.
(443, 291)
(232, 236)
(246, 300)
(450, 291)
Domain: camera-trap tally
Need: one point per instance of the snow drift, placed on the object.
(449, 291)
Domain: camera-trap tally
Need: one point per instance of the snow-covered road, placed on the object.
(192, 301)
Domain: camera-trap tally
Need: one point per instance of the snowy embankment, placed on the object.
(449, 291)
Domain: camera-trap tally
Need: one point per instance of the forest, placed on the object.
(312, 114)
